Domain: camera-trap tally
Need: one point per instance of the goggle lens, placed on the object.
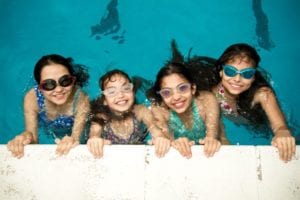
(246, 73)
(110, 92)
(50, 84)
(181, 88)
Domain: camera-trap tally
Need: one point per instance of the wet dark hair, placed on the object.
(76, 70)
(175, 65)
(109, 75)
(208, 75)
(101, 113)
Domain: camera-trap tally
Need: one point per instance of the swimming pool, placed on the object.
(135, 36)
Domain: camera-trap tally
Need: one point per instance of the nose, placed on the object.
(176, 95)
(237, 78)
(58, 88)
(119, 94)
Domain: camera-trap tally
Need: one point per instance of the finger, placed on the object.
(205, 143)
(157, 148)
(285, 150)
(187, 149)
(213, 148)
(162, 147)
(20, 149)
(208, 148)
(88, 144)
(68, 147)
(57, 141)
(293, 146)
(10, 146)
(274, 143)
(26, 141)
(179, 148)
(60, 148)
(150, 142)
(100, 149)
(166, 147)
(75, 144)
(108, 142)
(280, 149)
(191, 143)
(174, 145)
(202, 141)
(96, 149)
(218, 146)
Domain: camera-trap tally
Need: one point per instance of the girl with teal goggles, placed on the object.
(246, 73)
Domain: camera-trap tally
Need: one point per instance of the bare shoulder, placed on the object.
(206, 96)
(263, 94)
(30, 101)
(30, 95)
(141, 111)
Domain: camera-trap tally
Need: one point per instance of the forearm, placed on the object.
(159, 132)
(78, 129)
(95, 130)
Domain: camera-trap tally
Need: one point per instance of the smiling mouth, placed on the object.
(236, 86)
(60, 96)
(179, 104)
(122, 102)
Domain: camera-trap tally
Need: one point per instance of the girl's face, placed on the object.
(237, 84)
(177, 93)
(56, 74)
(118, 93)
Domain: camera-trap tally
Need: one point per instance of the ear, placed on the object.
(104, 102)
(221, 73)
(194, 89)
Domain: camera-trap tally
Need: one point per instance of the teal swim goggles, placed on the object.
(246, 73)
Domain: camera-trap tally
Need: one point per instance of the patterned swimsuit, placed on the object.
(52, 129)
(176, 126)
(138, 136)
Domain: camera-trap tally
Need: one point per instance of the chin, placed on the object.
(180, 110)
(60, 102)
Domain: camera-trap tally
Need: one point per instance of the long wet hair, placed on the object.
(208, 74)
(101, 113)
(76, 70)
(175, 65)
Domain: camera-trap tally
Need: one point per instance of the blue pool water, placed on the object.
(135, 36)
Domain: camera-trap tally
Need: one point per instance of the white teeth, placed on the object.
(235, 86)
(178, 105)
(121, 102)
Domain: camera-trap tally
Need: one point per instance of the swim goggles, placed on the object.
(181, 89)
(246, 73)
(113, 91)
(51, 84)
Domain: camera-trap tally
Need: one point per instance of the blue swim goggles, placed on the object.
(246, 73)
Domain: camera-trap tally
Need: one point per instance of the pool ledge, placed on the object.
(134, 172)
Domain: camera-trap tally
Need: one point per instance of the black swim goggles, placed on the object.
(50, 84)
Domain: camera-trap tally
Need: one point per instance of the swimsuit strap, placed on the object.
(224, 105)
